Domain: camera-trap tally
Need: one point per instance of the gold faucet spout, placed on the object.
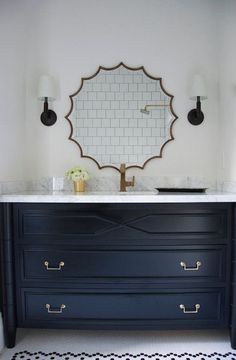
(123, 182)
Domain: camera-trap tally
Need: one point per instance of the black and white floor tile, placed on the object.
(34, 344)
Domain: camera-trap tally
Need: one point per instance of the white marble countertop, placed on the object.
(117, 197)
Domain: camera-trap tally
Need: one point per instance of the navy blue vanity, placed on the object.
(117, 266)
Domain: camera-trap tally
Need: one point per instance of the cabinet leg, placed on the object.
(10, 337)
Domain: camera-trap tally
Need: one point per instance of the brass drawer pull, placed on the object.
(61, 264)
(197, 307)
(185, 267)
(48, 307)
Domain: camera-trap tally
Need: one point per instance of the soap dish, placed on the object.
(181, 190)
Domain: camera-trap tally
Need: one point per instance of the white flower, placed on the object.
(77, 173)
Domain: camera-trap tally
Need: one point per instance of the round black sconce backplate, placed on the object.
(48, 117)
(195, 117)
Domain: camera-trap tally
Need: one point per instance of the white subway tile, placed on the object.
(133, 159)
(142, 87)
(133, 140)
(124, 123)
(92, 132)
(138, 132)
(106, 140)
(133, 123)
(156, 96)
(114, 123)
(151, 141)
(119, 79)
(128, 114)
(128, 132)
(115, 140)
(128, 79)
(111, 150)
(137, 96)
(133, 87)
(133, 105)
(97, 140)
(88, 141)
(119, 131)
(106, 104)
(146, 132)
(106, 123)
(114, 87)
(138, 78)
(147, 150)
(110, 96)
(142, 140)
(110, 114)
(97, 105)
(124, 105)
(92, 95)
(138, 150)
(147, 96)
(115, 159)
(119, 96)
(119, 113)
(101, 132)
(87, 104)
(128, 149)
(106, 87)
(92, 114)
(101, 113)
(97, 123)
(101, 95)
(124, 159)
(110, 131)
(151, 87)
(128, 96)
(124, 88)
(82, 132)
(124, 140)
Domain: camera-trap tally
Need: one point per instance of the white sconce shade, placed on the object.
(46, 88)
(198, 88)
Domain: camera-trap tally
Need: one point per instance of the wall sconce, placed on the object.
(198, 93)
(46, 92)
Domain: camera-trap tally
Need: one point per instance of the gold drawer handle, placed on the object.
(48, 307)
(197, 307)
(185, 267)
(61, 264)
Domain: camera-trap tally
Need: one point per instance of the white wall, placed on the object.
(70, 38)
(12, 89)
(227, 85)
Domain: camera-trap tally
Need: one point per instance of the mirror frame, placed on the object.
(83, 79)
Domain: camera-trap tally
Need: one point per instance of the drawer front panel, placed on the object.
(173, 263)
(183, 306)
(114, 222)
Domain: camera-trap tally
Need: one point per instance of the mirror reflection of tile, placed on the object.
(121, 116)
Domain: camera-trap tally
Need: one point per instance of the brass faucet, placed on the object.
(123, 182)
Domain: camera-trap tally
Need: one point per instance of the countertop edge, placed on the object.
(117, 198)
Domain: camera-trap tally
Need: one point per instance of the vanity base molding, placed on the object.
(117, 266)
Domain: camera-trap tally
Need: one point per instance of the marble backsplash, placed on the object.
(101, 183)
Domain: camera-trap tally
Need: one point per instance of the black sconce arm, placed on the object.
(196, 116)
(48, 117)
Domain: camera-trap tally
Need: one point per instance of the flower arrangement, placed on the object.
(77, 174)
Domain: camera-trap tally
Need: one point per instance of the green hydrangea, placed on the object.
(77, 173)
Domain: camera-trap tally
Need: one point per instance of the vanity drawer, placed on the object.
(205, 307)
(121, 223)
(54, 265)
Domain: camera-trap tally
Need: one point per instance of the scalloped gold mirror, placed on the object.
(121, 115)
